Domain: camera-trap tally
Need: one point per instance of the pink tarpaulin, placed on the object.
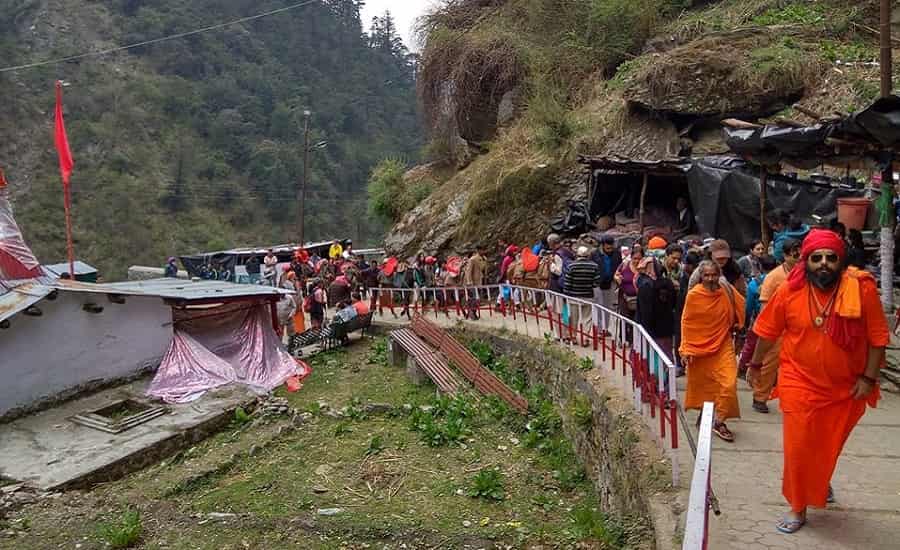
(212, 347)
(17, 261)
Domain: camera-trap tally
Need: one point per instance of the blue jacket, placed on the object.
(753, 305)
(781, 236)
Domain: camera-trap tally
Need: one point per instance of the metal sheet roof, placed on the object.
(259, 251)
(174, 289)
(20, 297)
(81, 268)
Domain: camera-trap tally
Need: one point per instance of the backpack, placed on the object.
(389, 266)
(557, 265)
(543, 270)
(530, 261)
(454, 265)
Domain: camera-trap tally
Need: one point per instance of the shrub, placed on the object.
(554, 122)
(487, 484)
(385, 189)
(587, 522)
(581, 411)
(798, 13)
(123, 533)
(445, 422)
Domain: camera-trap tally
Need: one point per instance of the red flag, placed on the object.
(62, 141)
(65, 169)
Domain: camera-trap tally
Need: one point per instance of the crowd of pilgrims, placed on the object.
(647, 281)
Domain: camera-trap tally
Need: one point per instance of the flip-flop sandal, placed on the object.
(789, 526)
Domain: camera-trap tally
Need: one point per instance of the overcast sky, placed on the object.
(405, 13)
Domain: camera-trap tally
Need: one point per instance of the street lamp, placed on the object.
(301, 193)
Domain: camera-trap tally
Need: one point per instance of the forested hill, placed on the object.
(196, 144)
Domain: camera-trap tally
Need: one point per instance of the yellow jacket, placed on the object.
(335, 251)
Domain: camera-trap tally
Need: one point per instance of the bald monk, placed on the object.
(834, 335)
(712, 310)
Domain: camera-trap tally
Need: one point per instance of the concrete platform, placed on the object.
(50, 452)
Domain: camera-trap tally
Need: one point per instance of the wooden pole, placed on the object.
(763, 226)
(301, 193)
(643, 197)
(886, 57)
(887, 178)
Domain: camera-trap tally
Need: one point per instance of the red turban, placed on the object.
(817, 239)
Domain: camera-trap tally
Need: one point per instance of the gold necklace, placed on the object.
(822, 311)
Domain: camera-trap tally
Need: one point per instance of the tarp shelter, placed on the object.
(83, 272)
(222, 333)
(616, 183)
(869, 136)
(724, 192)
(228, 260)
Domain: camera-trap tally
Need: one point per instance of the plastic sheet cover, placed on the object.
(725, 195)
(216, 346)
(17, 261)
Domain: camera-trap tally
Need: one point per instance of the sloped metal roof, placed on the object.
(81, 268)
(174, 289)
(20, 297)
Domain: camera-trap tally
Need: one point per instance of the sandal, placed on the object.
(723, 432)
(790, 526)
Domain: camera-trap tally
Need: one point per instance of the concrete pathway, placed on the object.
(747, 473)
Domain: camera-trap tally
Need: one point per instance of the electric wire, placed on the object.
(200, 30)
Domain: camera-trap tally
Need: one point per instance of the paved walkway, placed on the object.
(747, 474)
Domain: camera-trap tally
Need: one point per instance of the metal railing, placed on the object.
(696, 530)
(608, 335)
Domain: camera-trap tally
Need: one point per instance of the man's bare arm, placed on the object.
(763, 346)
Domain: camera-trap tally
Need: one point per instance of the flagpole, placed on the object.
(70, 249)
(65, 168)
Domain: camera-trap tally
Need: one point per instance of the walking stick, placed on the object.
(713, 500)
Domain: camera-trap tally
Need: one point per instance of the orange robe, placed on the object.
(816, 380)
(706, 337)
(762, 380)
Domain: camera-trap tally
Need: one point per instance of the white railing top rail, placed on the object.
(697, 525)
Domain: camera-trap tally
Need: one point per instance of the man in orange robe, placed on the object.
(834, 335)
(712, 309)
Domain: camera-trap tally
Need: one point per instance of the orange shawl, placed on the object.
(708, 319)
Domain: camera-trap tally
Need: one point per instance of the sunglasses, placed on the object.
(830, 258)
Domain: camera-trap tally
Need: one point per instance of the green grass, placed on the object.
(509, 481)
(487, 484)
(122, 533)
(801, 13)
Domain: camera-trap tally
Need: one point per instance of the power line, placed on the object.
(158, 40)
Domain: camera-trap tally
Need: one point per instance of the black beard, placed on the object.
(822, 279)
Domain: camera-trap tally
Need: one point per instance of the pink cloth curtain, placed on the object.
(212, 347)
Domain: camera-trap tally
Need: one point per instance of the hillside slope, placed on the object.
(647, 79)
(196, 144)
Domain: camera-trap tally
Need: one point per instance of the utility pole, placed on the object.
(301, 192)
(887, 177)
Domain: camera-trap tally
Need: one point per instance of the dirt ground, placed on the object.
(354, 463)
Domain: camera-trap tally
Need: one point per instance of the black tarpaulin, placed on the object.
(725, 195)
(575, 221)
(863, 135)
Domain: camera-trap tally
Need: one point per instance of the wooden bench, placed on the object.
(339, 332)
(418, 355)
(471, 368)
